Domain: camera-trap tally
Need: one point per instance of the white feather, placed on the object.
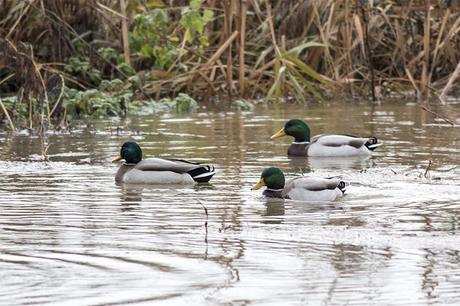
(313, 189)
(314, 196)
(136, 176)
(337, 145)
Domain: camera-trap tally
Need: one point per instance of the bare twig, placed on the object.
(206, 222)
(243, 11)
(11, 31)
(221, 50)
(61, 93)
(425, 82)
(10, 122)
(427, 168)
(7, 78)
(438, 115)
(124, 32)
(367, 47)
(451, 81)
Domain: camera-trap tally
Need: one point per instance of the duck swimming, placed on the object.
(301, 188)
(324, 145)
(136, 170)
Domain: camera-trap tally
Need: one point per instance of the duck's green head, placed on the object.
(272, 177)
(130, 152)
(295, 128)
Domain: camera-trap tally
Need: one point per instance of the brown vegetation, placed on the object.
(257, 48)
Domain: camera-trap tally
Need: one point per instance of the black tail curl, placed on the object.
(202, 174)
(342, 186)
(372, 143)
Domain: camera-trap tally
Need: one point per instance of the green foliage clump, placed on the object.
(110, 55)
(95, 103)
(112, 100)
(154, 35)
(80, 66)
(242, 105)
(182, 103)
(194, 22)
(149, 39)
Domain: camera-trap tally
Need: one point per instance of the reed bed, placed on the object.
(276, 50)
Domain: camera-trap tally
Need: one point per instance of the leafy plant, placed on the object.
(194, 22)
(81, 67)
(182, 103)
(149, 39)
(242, 105)
(151, 36)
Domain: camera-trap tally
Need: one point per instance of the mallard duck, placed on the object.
(324, 145)
(136, 170)
(301, 188)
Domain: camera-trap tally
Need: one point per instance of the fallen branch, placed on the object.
(427, 168)
(206, 222)
(10, 122)
(221, 50)
(437, 115)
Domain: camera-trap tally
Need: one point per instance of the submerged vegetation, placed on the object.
(70, 58)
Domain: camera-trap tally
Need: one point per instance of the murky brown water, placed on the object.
(70, 236)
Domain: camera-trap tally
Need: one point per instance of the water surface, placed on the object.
(70, 236)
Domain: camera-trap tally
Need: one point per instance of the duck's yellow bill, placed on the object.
(279, 134)
(259, 184)
(117, 159)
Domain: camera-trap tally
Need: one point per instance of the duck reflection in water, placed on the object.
(275, 210)
(130, 196)
(306, 164)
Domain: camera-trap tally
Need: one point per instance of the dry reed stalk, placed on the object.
(347, 37)
(10, 32)
(438, 115)
(7, 78)
(222, 69)
(430, 163)
(205, 77)
(243, 11)
(257, 10)
(228, 20)
(451, 81)
(111, 11)
(425, 82)
(323, 38)
(61, 94)
(10, 122)
(412, 80)
(438, 42)
(212, 76)
(363, 32)
(221, 50)
(30, 112)
(272, 28)
(262, 69)
(124, 32)
(45, 93)
(360, 32)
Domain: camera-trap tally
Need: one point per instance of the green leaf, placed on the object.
(195, 4)
(298, 89)
(154, 4)
(207, 15)
(146, 50)
(308, 84)
(305, 68)
(276, 84)
(188, 36)
(298, 49)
